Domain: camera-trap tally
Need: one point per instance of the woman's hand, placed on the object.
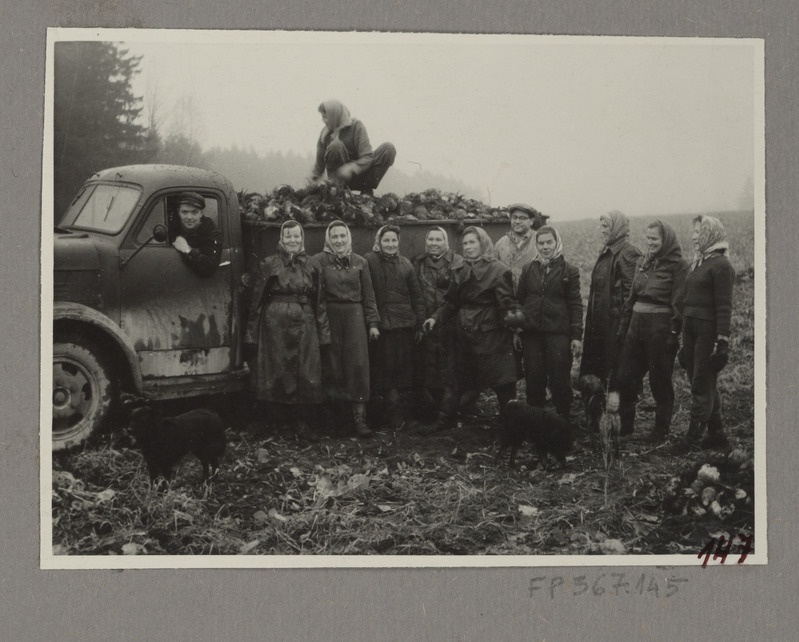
(577, 348)
(428, 325)
(374, 334)
(517, 342)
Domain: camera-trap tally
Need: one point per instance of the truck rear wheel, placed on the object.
(82, 392)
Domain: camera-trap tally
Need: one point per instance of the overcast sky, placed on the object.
(573, 126)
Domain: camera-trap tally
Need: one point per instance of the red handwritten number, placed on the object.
(747, 547)
(722, 551)
(706, 551)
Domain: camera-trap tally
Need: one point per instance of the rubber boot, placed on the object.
(447, 410)
(691, 438)
(716, 439)
(302, 425)
(359, 417)
(393, 409)
(627, 417)
(468, 402)
(662, 425)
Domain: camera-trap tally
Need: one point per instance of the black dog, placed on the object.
(164, 441)
(548, 432)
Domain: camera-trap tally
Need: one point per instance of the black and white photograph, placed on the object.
(381, 299)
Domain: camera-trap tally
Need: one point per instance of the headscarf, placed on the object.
(379, 248)
(548, 229)
(487, 254)
(712, 238)
(329, 246)
(338, 116)
(619, 226)
(437, 228)
(291, 255)
(669, 252)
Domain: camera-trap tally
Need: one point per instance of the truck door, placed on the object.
(181, 324)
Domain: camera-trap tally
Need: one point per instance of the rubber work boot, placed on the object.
(359, 417)
(627, 418)
(691, 438)
(393, 413)
(304, 431)
(716, 439)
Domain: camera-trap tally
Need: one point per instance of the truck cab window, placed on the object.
(211, 211)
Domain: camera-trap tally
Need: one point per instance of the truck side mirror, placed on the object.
(159, 233)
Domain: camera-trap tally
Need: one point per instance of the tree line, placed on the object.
(98, 123)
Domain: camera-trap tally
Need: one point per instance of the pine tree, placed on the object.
(95, 115)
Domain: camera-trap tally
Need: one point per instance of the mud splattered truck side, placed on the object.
(127, 312)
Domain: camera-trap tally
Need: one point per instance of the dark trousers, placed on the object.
(548, 360)
(645, 351)
(698, 338)
(336, 155)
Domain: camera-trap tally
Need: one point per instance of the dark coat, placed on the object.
(206, 248)
(288, 320)
(708, 293)
(435, 361)
(476, 301)
(356, 142)
(660, 283)
(551, 299)
(397, 292)
(351, 309)
(611, 280)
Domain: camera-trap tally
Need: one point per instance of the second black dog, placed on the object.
(548, 432)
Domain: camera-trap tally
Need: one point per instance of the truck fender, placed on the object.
(84, 314)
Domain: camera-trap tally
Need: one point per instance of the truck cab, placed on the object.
(128, 313)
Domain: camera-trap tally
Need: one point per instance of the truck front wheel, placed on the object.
(82, 392)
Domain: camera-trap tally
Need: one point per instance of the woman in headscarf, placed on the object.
(650, 327)
(344, 151)
(351, 309)
(707, 312)
(435, 380)
(399, 303)
(611, 279)
(549, 294)
(288, 321)
(480, 295)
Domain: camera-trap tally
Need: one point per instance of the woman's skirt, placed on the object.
(345, 362)
(289, 364)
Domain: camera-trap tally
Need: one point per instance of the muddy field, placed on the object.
(402, 493)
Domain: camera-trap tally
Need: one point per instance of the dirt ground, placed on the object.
(398, 493)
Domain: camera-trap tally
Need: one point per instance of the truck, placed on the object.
(129, 316)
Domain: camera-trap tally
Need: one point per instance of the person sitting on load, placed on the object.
(344, 151)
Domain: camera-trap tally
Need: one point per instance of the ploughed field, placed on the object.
(402, 493)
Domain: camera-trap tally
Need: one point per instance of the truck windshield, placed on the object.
(105, 208)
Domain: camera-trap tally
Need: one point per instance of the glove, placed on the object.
(720, 355)
(672, 344)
